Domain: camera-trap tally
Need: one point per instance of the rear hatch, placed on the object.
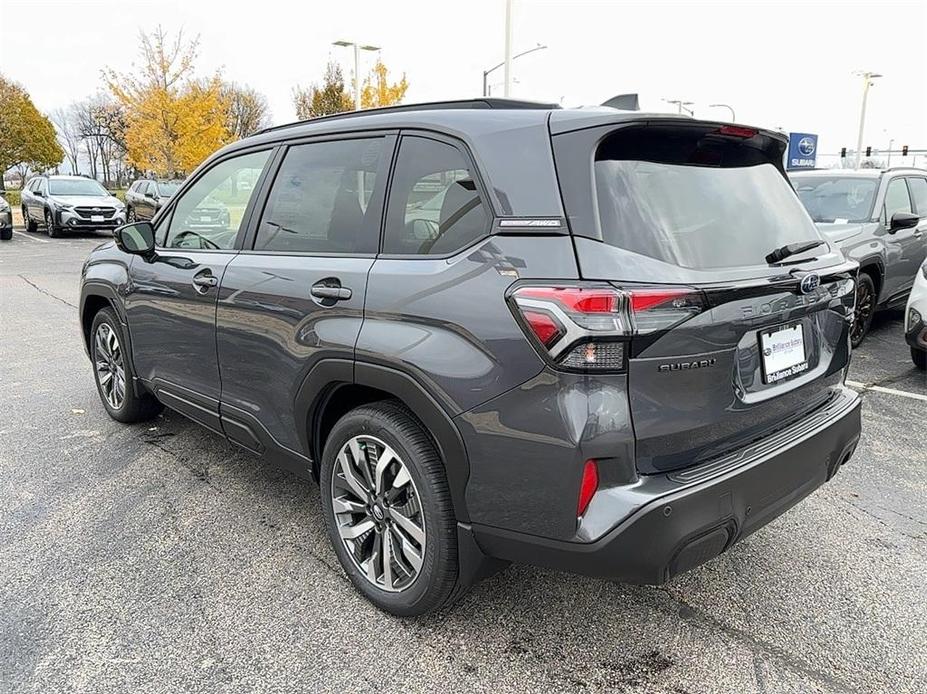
(726, 343)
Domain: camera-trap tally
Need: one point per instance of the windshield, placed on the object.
(75, 186)
(167, 188)
(698, 217)
(837, 199)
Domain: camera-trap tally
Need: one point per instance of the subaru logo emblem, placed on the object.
(806, 146)
(810, 282)
(96, 209)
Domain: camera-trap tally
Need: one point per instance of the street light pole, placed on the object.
(508, 48)
(681, 105)
(486, 73)
(357, 49)
(867, 82)
(729, 108)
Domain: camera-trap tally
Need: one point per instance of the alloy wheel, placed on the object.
(862, 313)
(378, 513)
(111, 373)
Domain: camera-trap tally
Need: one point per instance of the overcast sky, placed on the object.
(787, 65)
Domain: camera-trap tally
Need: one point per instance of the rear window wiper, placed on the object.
(780, 254)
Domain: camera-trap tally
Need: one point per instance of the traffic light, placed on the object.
(868, 151)
(843, 152)
(904, 151)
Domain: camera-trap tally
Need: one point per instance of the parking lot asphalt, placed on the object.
(159, 558)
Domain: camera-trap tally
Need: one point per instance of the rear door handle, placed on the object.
(330, 292)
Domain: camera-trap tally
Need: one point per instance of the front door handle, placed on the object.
(332, 293)
(205, 281)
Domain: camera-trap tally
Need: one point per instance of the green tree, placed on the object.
(27, 138)
(331, 97)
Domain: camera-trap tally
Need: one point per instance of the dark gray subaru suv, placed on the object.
(609, 342)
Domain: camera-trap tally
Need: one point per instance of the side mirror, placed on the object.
(903, 220)
(137, 238)
(39, 194)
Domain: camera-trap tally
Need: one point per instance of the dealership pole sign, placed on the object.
(803, 150)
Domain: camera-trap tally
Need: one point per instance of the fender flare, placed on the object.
(327, 375)
(104, 290)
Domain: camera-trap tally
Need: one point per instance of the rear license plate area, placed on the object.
(783, 352)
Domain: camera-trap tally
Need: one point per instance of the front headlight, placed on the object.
(914, 318)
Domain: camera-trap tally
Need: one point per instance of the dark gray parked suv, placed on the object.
(617, 347)
(877, 218)
(145, 198)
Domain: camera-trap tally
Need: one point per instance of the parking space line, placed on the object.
(31, 238)
(888, 391)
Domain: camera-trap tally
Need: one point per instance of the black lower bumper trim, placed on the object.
(680, 529)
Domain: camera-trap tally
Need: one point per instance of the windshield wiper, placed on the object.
(780, 254)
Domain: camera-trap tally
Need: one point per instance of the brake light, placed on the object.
(547, 329)
(587, 486)
(736, 131)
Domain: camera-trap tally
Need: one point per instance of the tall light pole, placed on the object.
(508, 49)
(486, 73)
(729, 108)
(682, 105)
(357, 49)
(867, 82)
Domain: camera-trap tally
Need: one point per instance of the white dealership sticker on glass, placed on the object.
(783, 351)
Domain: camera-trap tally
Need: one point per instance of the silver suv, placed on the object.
(61, 203)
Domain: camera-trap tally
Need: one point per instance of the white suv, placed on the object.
(915, 328)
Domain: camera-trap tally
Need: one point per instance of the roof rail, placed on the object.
(488, 102)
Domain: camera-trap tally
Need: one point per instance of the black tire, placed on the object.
(53, 231)
(28, 222)
(132, 408)
(865, 309)
(919, 357)
(392, 423)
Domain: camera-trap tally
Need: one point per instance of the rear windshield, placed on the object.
(839, 199)
(728, 210)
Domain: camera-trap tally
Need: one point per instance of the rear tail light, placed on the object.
(587, 327)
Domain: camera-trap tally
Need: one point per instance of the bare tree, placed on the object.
(247, 109)
(69, 136)
(101, 124)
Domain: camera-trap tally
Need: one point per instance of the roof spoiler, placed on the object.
(624, 102)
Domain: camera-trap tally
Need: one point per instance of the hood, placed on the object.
(86, 200)
(841, 232)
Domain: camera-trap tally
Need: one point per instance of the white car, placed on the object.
(915, 328)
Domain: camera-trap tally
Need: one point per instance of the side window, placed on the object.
(209, 214)
(320, 199)
(918, 188)
(142, 187)
(134, 188)
(434, 205)
(896, 199)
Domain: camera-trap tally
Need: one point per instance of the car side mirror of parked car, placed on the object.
(903, 220)
(38, 194)
(137, 238)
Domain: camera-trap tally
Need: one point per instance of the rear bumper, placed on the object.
(683, 519)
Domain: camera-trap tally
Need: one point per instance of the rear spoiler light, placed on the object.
(587, 327)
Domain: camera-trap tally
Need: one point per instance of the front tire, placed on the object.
(919, 357)
(113, 372)
(864, 311)
(53, 231)
(388, 510)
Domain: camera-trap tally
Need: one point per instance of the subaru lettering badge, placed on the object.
(810, 282)
(806, 146)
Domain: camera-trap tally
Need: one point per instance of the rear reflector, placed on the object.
(587, 486)
(547, 329)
